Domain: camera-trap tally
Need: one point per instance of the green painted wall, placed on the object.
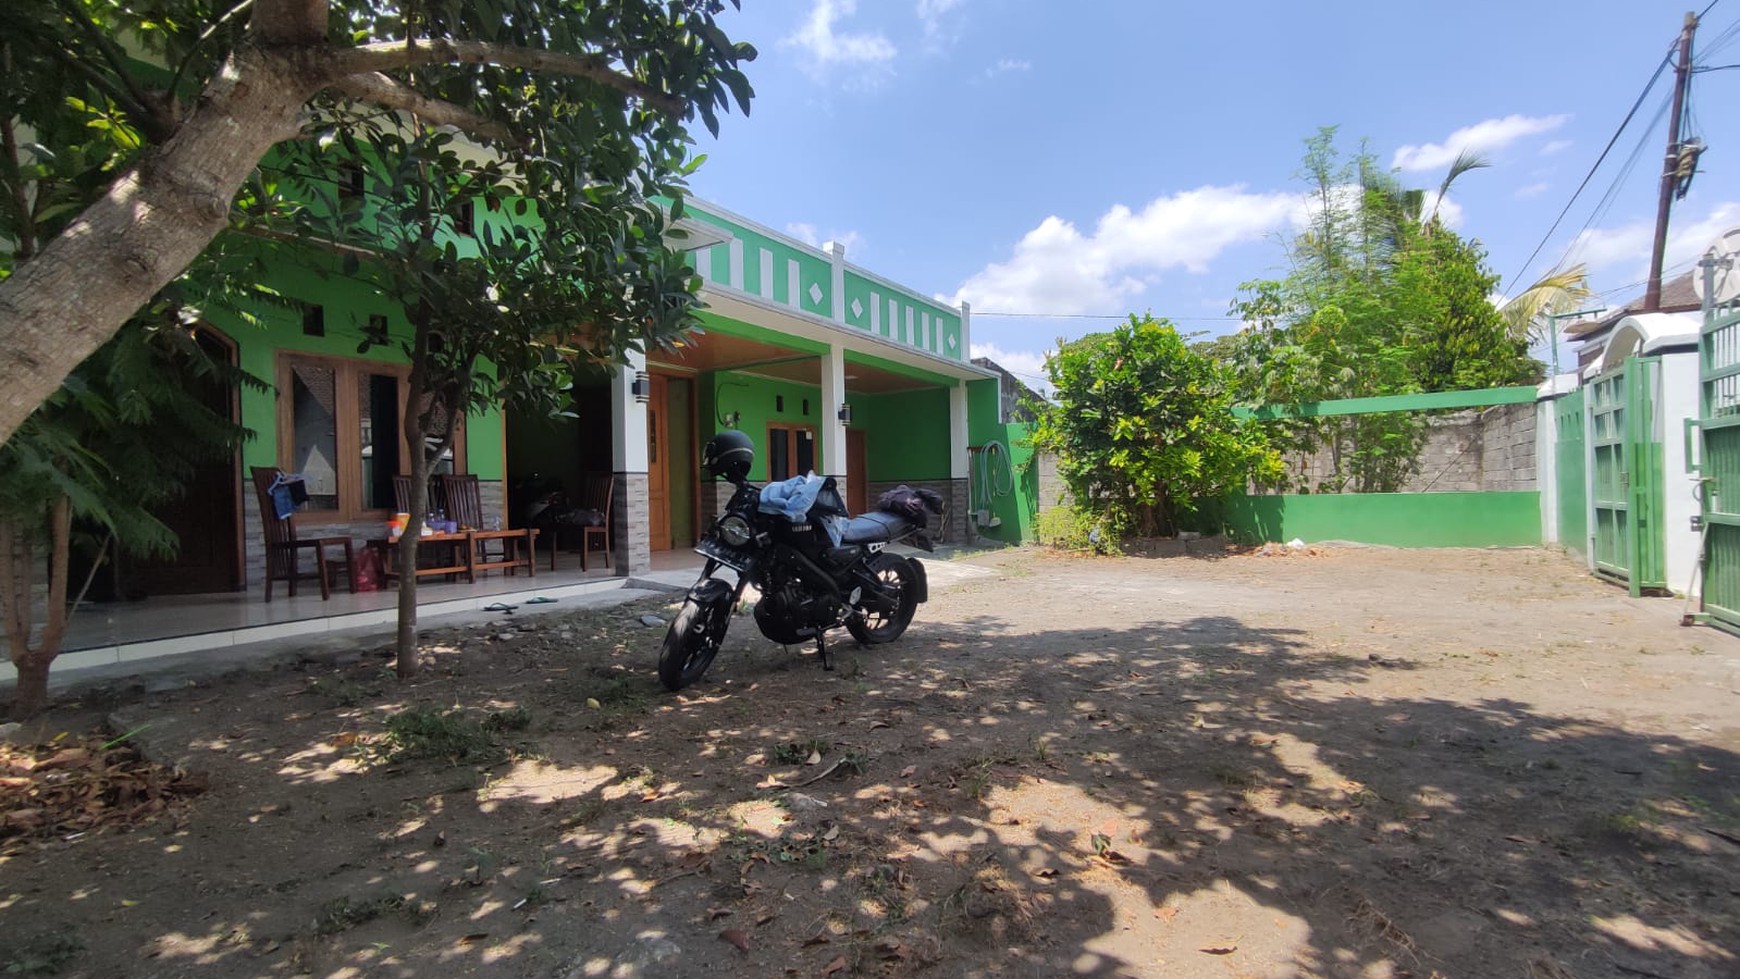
(348, 303)
(935, 327)
(1015, 508)
(1510, 519)
(906, 434)
(757, 398)
(814, 268)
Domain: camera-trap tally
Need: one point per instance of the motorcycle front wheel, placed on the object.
(692, 641)
(895, 574)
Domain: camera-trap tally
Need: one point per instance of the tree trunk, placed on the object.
(18, 569)
(156, 218)
(416, 385)
(405, 641)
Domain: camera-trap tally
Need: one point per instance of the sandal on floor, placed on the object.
(500, 607)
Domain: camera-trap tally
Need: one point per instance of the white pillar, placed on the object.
(837, 279)
(1547, 466)
(628, 441)
(958, 464)
(966, 330)
(833, 460)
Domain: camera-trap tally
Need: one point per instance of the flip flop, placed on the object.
(540, 600)
(500, 607)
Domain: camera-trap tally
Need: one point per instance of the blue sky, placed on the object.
(1103, 157)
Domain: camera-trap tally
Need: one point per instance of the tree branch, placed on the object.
(387, 55)
(384, 91)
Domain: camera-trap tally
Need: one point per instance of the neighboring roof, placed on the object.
(1646, 333)
(1677, 296)
(1015, 391)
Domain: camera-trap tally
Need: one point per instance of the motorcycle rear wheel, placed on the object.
(896, 575)
(691, 642)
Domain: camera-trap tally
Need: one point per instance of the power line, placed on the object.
(1608, 199)
(1665, 61)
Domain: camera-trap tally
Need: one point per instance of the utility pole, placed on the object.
(1553, 332)
(1670, 167)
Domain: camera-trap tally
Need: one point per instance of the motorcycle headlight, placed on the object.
(734, 530)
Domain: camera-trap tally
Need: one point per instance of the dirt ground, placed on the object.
(1359, 763)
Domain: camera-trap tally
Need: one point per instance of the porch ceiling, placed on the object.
(719, 351)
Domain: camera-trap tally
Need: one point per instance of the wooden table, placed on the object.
(467, 541)
(512, 560)
(462, 542)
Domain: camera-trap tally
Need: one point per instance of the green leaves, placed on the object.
(1143, 425)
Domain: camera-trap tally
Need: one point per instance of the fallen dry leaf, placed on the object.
(817, 939)
(908, 771)
(1166, 913)
(838, 965)
(714, 914)
(1219, 949)
(737, 937)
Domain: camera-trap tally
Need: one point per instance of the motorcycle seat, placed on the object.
(874, 528)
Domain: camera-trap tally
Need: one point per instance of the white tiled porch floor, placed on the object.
(102, 635)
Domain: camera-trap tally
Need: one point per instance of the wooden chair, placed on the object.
(437, 496)
(597, 492)
(464, 502)
(284, 549)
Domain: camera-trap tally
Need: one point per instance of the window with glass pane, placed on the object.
(378, 416)
(314, 427)
(778, 454)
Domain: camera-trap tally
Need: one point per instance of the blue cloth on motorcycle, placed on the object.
(795, 498)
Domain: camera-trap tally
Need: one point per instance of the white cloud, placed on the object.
(806, 233)
(828, 48)
(1006, 65)
(1555, 146)
(930, 14)
(1490, 134)
(1057, 269)
(1447, 209)
(1533, 190)
(1624, 250)
(1024, 364)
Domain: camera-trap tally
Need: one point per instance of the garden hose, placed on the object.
(994, 478)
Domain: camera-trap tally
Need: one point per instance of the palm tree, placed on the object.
(1559, 291)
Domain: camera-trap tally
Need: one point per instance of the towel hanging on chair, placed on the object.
(288, 491)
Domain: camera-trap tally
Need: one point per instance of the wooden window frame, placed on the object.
(347, 372)
(791, 429)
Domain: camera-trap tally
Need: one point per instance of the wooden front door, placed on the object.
(658, 465)
(857, 472)
(207, 518)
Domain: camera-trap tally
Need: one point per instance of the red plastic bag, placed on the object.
(369, 573)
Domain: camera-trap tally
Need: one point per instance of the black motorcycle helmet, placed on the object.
(728, 454)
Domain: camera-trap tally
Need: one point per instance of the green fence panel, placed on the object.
(1497, 519)
(1719, 465)
(1571, 465)
(1611, 485)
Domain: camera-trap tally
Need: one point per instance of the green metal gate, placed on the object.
(1571, 467)
(1625, 453)
(1719, 462)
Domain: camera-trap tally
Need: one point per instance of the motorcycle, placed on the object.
(815, 569)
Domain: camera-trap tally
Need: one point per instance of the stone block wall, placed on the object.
(953, 491)
(1470, 451)
(631, 522)
(1508, 448)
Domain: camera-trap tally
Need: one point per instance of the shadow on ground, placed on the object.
(1175, 796)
